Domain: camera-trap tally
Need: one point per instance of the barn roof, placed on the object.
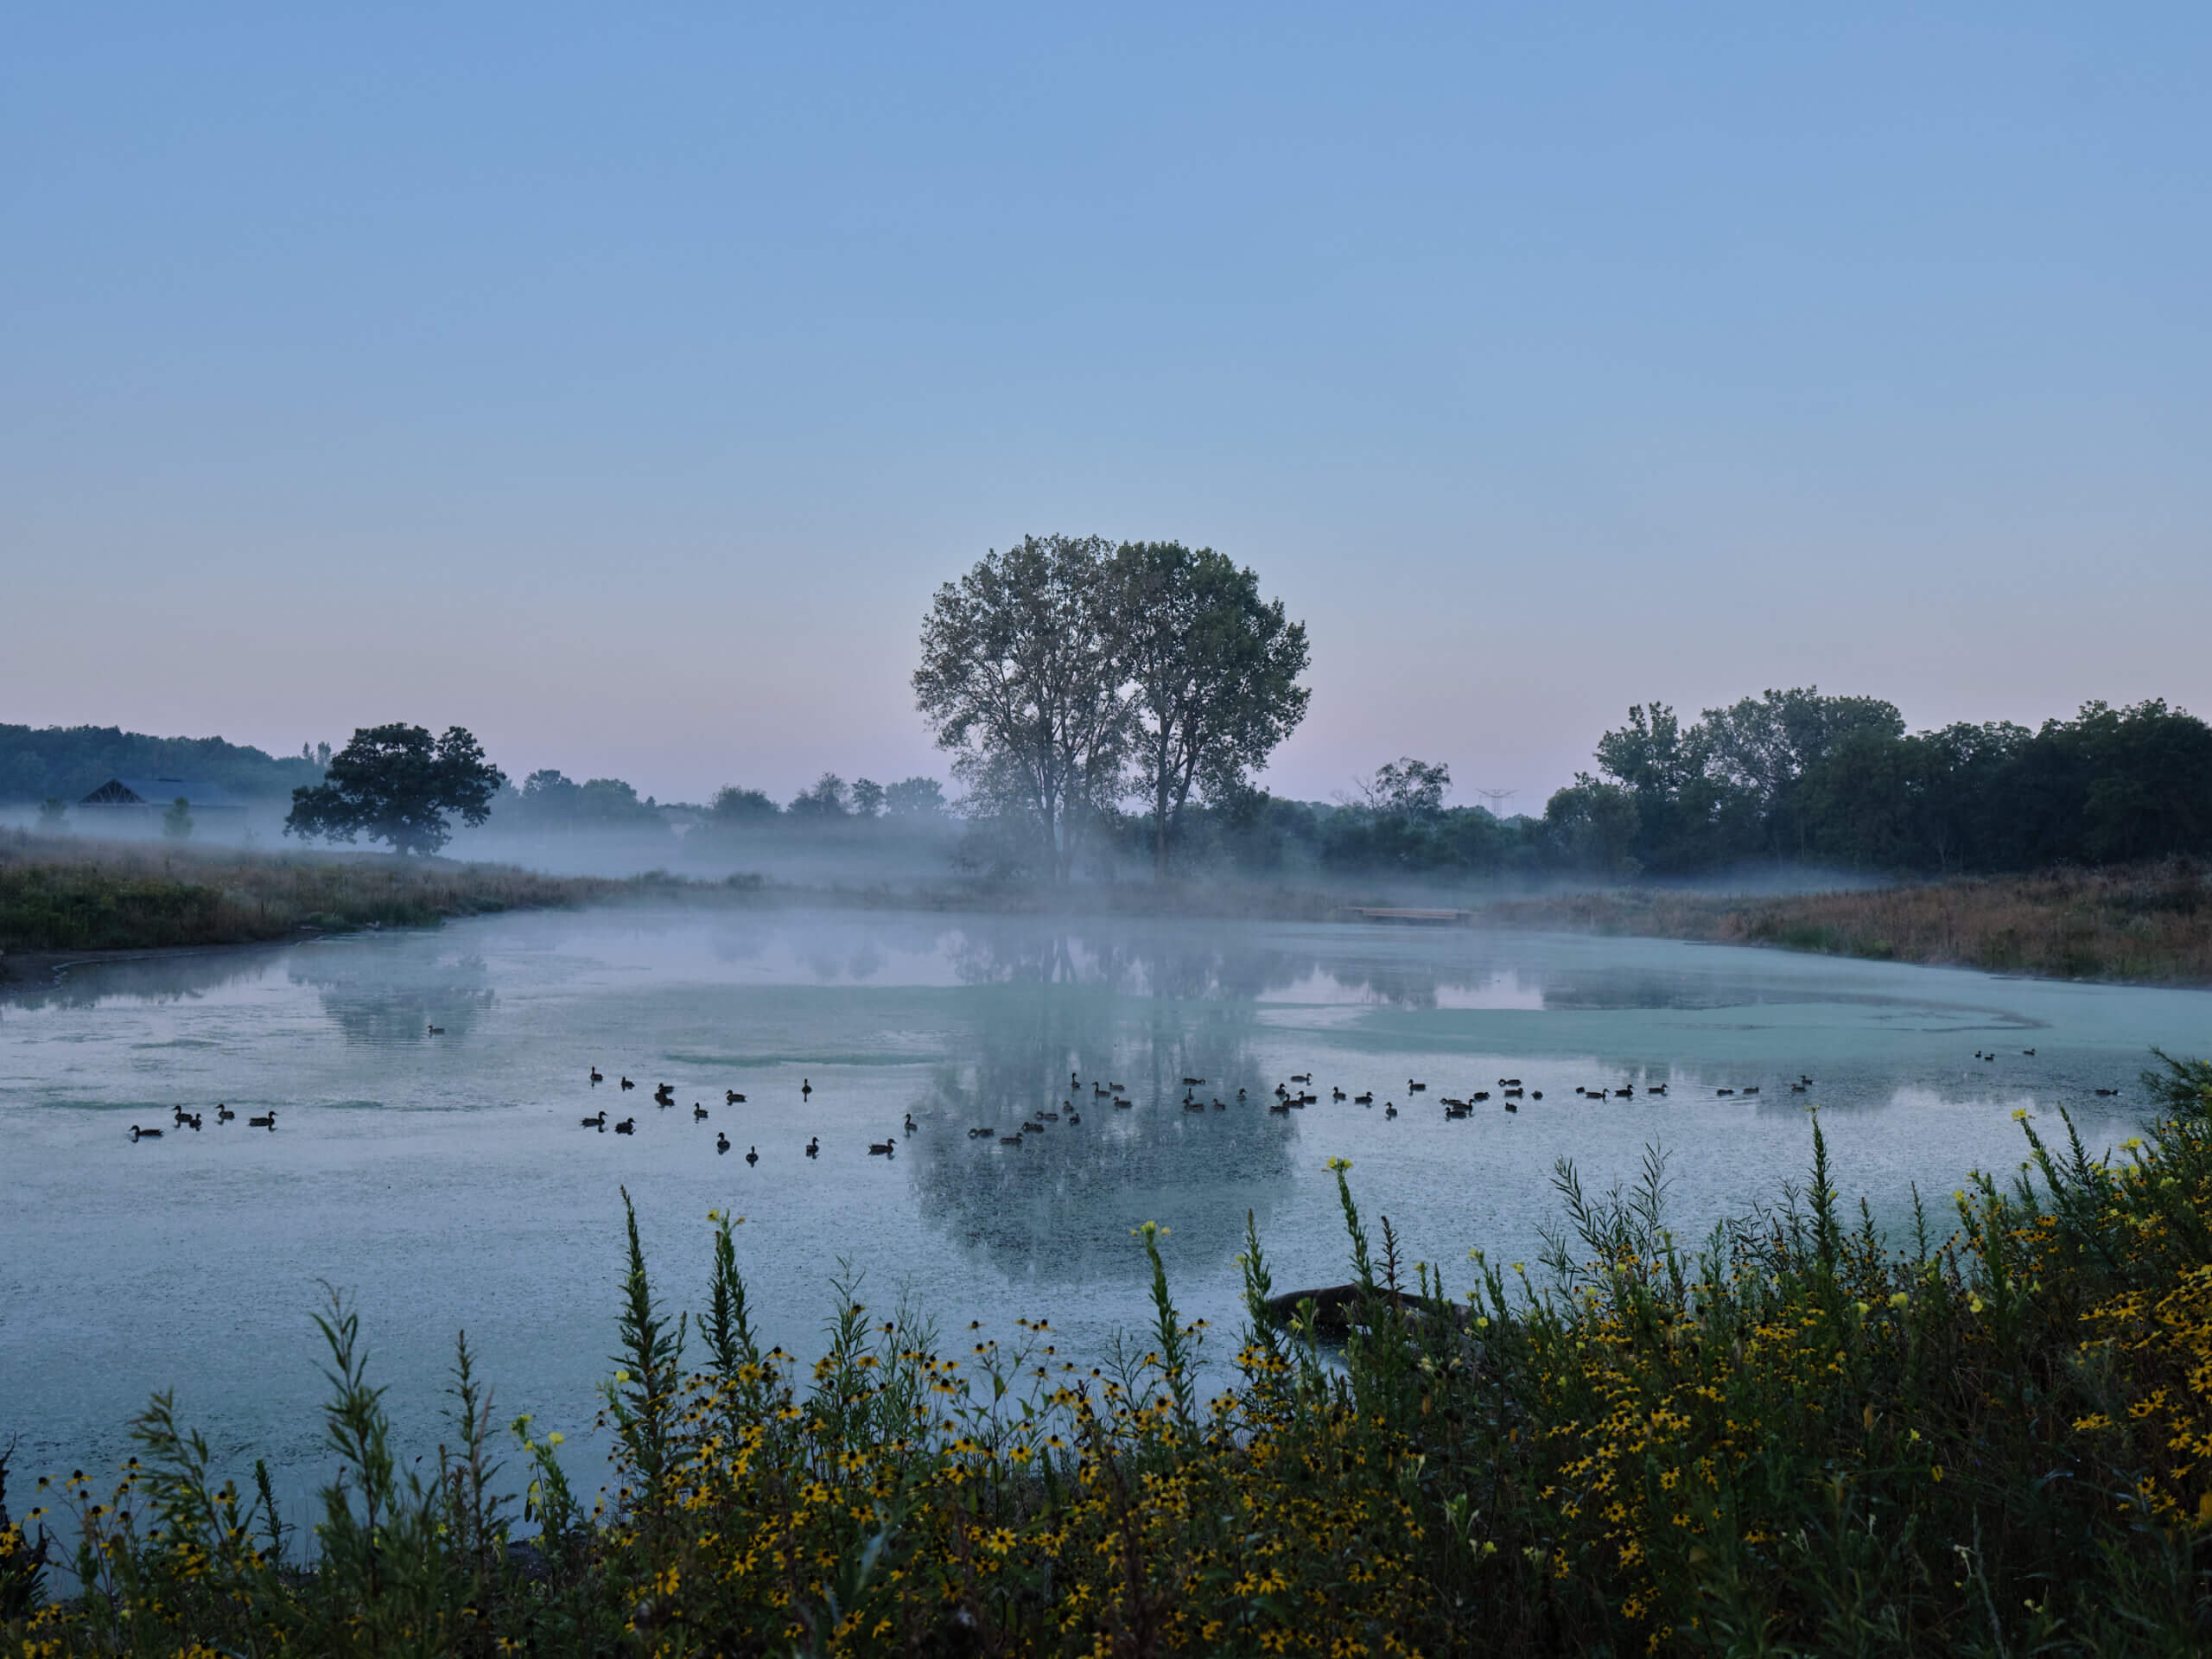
(159, 792)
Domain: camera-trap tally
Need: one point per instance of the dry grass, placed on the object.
(65, 894)
(2142, 923)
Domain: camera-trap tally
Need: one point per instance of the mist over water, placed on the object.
(445, 1179)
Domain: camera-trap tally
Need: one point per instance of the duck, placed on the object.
(1302, 1077)
(626, 1083)
(721, 1142)
(595, 1077)
(139, 1134)
(437, 1031)
(627, 1126)
(598, 1123)
(1367, 1099)
(805, 1087)
(698, 1112)
(1335, 1093)
(1389, 1110)
(752, 1156)
(881, 1148)
(814, 1147)
(1123, 1104)
(731, 1097)
(1654, 1088)
(1075, 1117)
(1413, 1088)
(1192, 1082)
(268, 1123)
(223, 1114)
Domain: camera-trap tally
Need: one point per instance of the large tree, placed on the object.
(1020, 677)
(396, 784)
(1212, 670)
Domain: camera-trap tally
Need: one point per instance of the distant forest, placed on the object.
(69, 762)
(1791, 776)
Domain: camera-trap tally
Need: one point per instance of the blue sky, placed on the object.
(620, 382)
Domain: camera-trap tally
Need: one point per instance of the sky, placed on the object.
(621, 382)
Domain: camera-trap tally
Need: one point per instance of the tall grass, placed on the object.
(2149, 922)
(60, 894)
(1790, 1437)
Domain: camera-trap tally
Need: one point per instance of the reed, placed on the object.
(2150, 923)
(1790, 1437)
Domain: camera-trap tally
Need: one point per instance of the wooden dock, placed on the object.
(1406, 918)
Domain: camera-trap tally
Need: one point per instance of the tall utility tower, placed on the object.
(1497, 798)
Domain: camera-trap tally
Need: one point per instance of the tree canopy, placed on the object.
(1066, 674)
(398, 784)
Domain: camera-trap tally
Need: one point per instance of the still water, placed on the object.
(446, 1182)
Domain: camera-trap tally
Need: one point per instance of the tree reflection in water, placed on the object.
(386, 999)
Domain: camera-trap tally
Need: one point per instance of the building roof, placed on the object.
(159, 792)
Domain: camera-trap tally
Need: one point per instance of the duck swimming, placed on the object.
(753, 1154)
(721, 1142)
(595, 1077)
(814, 1147)
(731, 1097)
(598, 1123)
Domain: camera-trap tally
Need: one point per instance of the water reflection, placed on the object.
(382, 1000)
(150, 979)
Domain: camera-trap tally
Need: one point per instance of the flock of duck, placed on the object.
(1510, 1092)
(184, 1119)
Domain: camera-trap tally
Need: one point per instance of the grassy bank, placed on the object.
(2144, 923)
(1996, 1440)
(59, 894)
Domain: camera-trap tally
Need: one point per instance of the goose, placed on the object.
(978, 1134)
(721, 1142)
(1240, 1094)
(268, 1123)
(1797, 1088)
(1367, 1099)
(1413, 1088)
(1512, 1107)
(698, 1112)
(627, 1126)
(909, 1120)
(1075, 1117)
(598, 1123)
(2030, 1052)
(1389, 1109)
(1281, 1109)
(1009, 1140)
(2102, 1091)
(1033, 1129)
(731, 1097)
(814, 1147)
(1302, 1077)
(180, 1115)
(437, 1031)
(1723, 1091)
(139, 1134)
(1480, 1094)
(1099, 1092)
(223, 1114)
(805, 1086)
(595, 1077)
(1118, 1089)
(1123, 1104)
(1654, 1088)
(1626, 1091)
(1192, 1082)
(1049, 1117)
(1219, 1105)
(1753, 1089)
(881, 1148)
(665, 1094)
(752, 1156)
(1335, 1093)
(1190, 1105)
(626, 1083)
(1074, 1081)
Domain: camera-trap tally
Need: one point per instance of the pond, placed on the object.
(446, 1182)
